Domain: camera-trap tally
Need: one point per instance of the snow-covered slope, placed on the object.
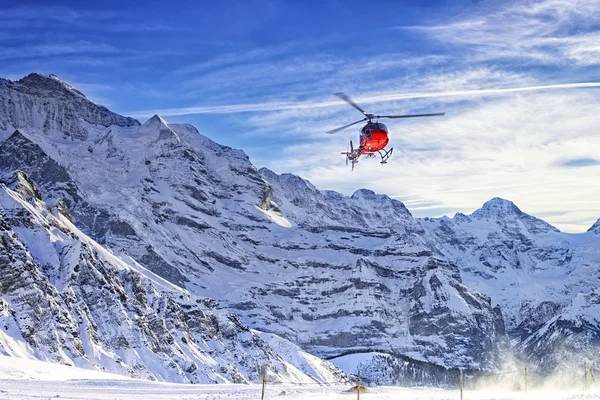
(336, 275)
(23, 368)
(67, 299)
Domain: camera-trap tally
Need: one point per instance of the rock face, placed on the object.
(336, 275)
(66, 299)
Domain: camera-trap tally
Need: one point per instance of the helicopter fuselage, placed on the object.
(373, 137)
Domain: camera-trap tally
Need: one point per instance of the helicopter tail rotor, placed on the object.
(347, 154)
(350, 155)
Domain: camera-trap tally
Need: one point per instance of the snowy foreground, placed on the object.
(25, 379)
(121, 389)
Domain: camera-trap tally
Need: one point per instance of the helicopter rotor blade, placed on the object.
(410, 115)
(348, 100)
(345, 126)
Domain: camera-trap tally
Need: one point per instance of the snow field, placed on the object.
(27, 379)
(87, 389)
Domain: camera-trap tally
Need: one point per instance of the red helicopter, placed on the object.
(373, 136)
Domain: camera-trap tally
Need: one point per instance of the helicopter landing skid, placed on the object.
(385, 155)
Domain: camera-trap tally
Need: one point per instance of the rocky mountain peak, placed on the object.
(595, 228)
(156, 120)
(267, 173)
(376, 198)
(497, 207)
(289, 182)
(506, 212)
(460, 217)
(51, 84)
(158, 127)
(50, 105)
(365, 194)
(368, 194)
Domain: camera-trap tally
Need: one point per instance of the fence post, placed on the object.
(264, 382)
(460, 380)
(358, 385)
(526, 378)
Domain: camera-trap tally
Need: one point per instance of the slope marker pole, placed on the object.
(264, 382)
(460, 380)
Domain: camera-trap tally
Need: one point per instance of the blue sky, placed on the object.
(518, 81)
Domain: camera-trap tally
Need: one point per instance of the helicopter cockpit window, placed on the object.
(374, 126)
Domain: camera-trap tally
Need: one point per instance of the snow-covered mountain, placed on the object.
(67, 299)
(335, 275)
(543, 280)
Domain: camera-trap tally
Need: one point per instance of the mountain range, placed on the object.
(150, 250)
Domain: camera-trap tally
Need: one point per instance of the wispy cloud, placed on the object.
(546, 32)
(292, 72)
(55, 49)
(277, 106)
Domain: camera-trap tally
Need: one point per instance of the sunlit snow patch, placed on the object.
(21, 368)
(276, 217)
